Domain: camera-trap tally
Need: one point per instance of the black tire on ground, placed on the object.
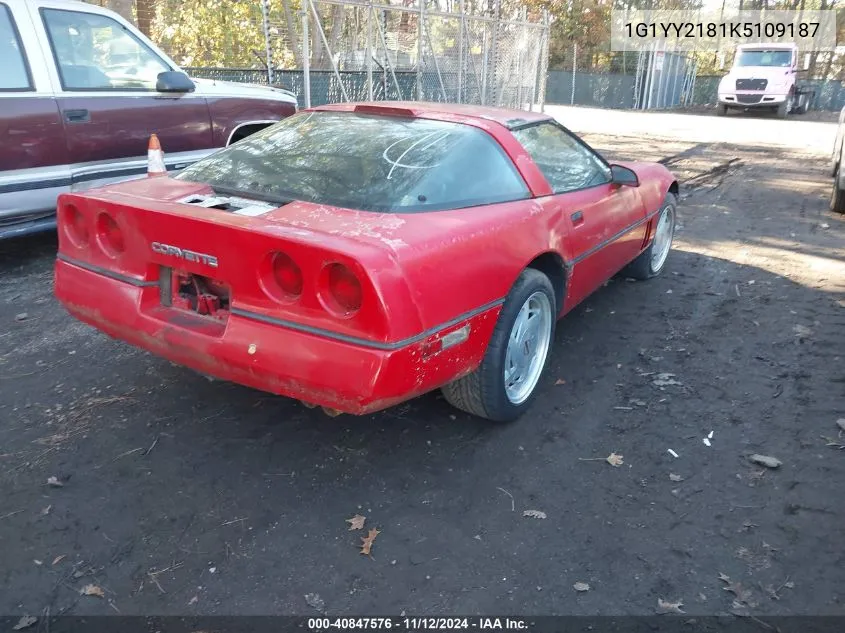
(641, 268)
(721, 109)
(837, 195)
(783, 109)
(482, 393)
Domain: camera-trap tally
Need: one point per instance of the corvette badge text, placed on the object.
(181, 253)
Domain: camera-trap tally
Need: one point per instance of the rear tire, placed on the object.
(527, 321)
(651, 262)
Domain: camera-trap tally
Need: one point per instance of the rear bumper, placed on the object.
(315, 369)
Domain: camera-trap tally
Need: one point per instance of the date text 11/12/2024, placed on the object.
(418, 624)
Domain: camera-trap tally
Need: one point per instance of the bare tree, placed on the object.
(123, 7)
(292, 31)
(146, 12)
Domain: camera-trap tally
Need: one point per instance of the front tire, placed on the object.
(837, 195)
(504, 386)
(652, 260)
(721, 110)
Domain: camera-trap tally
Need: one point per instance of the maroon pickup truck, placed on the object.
(82, 90)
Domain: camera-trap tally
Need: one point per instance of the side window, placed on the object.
(476, 171)
(15, 73)
(564, 161)
(95, 52)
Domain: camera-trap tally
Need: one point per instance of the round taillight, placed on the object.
(344, 288)
(109, 235)
(75, 226)
(287, 276)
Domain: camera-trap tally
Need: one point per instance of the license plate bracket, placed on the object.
(197, 294)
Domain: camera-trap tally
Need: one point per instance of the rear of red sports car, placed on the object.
(319, 271)
(356, 256)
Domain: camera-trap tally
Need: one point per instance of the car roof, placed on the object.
(441, 111)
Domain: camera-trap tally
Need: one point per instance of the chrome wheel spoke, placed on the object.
(662, 238)
(528, 346)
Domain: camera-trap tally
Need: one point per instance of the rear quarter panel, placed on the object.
(455, 262)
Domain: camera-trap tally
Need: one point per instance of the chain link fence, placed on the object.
(459, 51)
(357, 49)
(466, 51)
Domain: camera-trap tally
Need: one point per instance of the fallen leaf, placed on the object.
(664, 606)
(59, 559)
(92, 590)
(536, 514)
(765, 460)
(315, 601)
(675, 477)
(367, 541)
(581, 586)
(54, 481)
(46, 511)
(743, 596)
(560, 381)
(841, 423)
(38, 562)
(356, 522)
(193, 600)
(801, 330)
(24, 623)
(829, 441)
(665, 383)
(614, 460)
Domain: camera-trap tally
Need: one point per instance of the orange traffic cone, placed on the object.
(155, 158)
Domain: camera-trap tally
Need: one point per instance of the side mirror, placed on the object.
(620, 175)
(174, 81)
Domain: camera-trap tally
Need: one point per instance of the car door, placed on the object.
(107, 96)
(604, 223)
(33, 169)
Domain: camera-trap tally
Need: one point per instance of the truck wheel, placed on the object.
(503, 387)
(652, 260)
(837, 196)
(721, 109)
(783, 109)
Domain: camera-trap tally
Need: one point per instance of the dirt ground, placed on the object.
(183, 496)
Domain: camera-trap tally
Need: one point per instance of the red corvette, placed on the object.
(354, 256)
